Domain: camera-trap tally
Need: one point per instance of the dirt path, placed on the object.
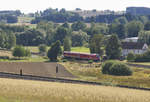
(35, 68)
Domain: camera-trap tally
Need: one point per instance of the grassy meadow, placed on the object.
(92, 72)
(13, 90)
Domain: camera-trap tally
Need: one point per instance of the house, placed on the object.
(132, 39)
(135, 47)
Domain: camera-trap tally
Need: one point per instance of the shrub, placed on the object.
(143, 57)
(42, 48)
(130, 57)
(106, 67)
(90, 61)
(120, 69)
(20, 51)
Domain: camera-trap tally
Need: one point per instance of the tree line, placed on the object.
(62, 16)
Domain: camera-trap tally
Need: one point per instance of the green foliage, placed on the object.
(96, 44)
(121, 20)
(116, 68)
(43, 48)
(133, 28)
(130, 57)
(20, 51)
(147, 26)
(7, 39)
(106, 66)
(90, 61)
(118, 29)
(66, 25)
(61, 33)
(113, 47)
(54, 51)
(30, 37)
(143, 57)
(79, 38)
(97, 28)
(120, 69)
(144, 37)
(67, 44)
(78, 26)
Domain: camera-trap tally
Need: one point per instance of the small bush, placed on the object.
(106, 67)
(42, 48)
(64, 60)
(120, 69)
(90, 61)
(130, 57)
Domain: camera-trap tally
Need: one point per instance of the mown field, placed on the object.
(74, 49)
(92, 72)
(12, 90)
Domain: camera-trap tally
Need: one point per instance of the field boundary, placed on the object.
(62, 80)
(139, 65)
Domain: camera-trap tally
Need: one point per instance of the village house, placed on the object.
(134, 47)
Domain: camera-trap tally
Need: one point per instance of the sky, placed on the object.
(28, 6)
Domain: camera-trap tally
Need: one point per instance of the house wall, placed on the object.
(135, 51)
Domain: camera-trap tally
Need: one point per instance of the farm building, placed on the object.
(135, 47)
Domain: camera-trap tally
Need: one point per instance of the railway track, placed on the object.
(62, 80)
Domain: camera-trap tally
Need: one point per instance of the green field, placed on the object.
(74, 49)
(92, 72)
(36, 91)
(80, 49)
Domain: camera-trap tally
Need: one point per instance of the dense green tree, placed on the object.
(113, 47)
(42, 48)
(66, 25)
(98, 28)
(67, 44)
(130, 57)
(96, 44)
(147, 26)
(78, 26)
(121, 20)
(61, 33)
(133, 28)
(144, 37)
(118, 29)
(11, 41)
(31, 37)
(7, 39)
(20, 51)
(54, 51)
(79, 38)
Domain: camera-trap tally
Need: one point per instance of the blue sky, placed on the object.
(34, 5)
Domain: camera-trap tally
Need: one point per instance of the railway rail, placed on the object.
(52, 79)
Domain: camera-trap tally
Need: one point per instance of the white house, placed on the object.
(134, 47)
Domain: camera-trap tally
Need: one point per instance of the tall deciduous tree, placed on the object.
(113, 47)
(67, 44)
(54, 51)
(96, 44)
(133, 28)
(147, 26)
(61, 33)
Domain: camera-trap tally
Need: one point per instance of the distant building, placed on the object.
(132, 39)
(135, 47)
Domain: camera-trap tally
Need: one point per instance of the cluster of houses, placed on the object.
(132, 45)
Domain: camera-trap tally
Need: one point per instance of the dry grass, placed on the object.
(12, 90)
(140, 77)
(5, 53)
